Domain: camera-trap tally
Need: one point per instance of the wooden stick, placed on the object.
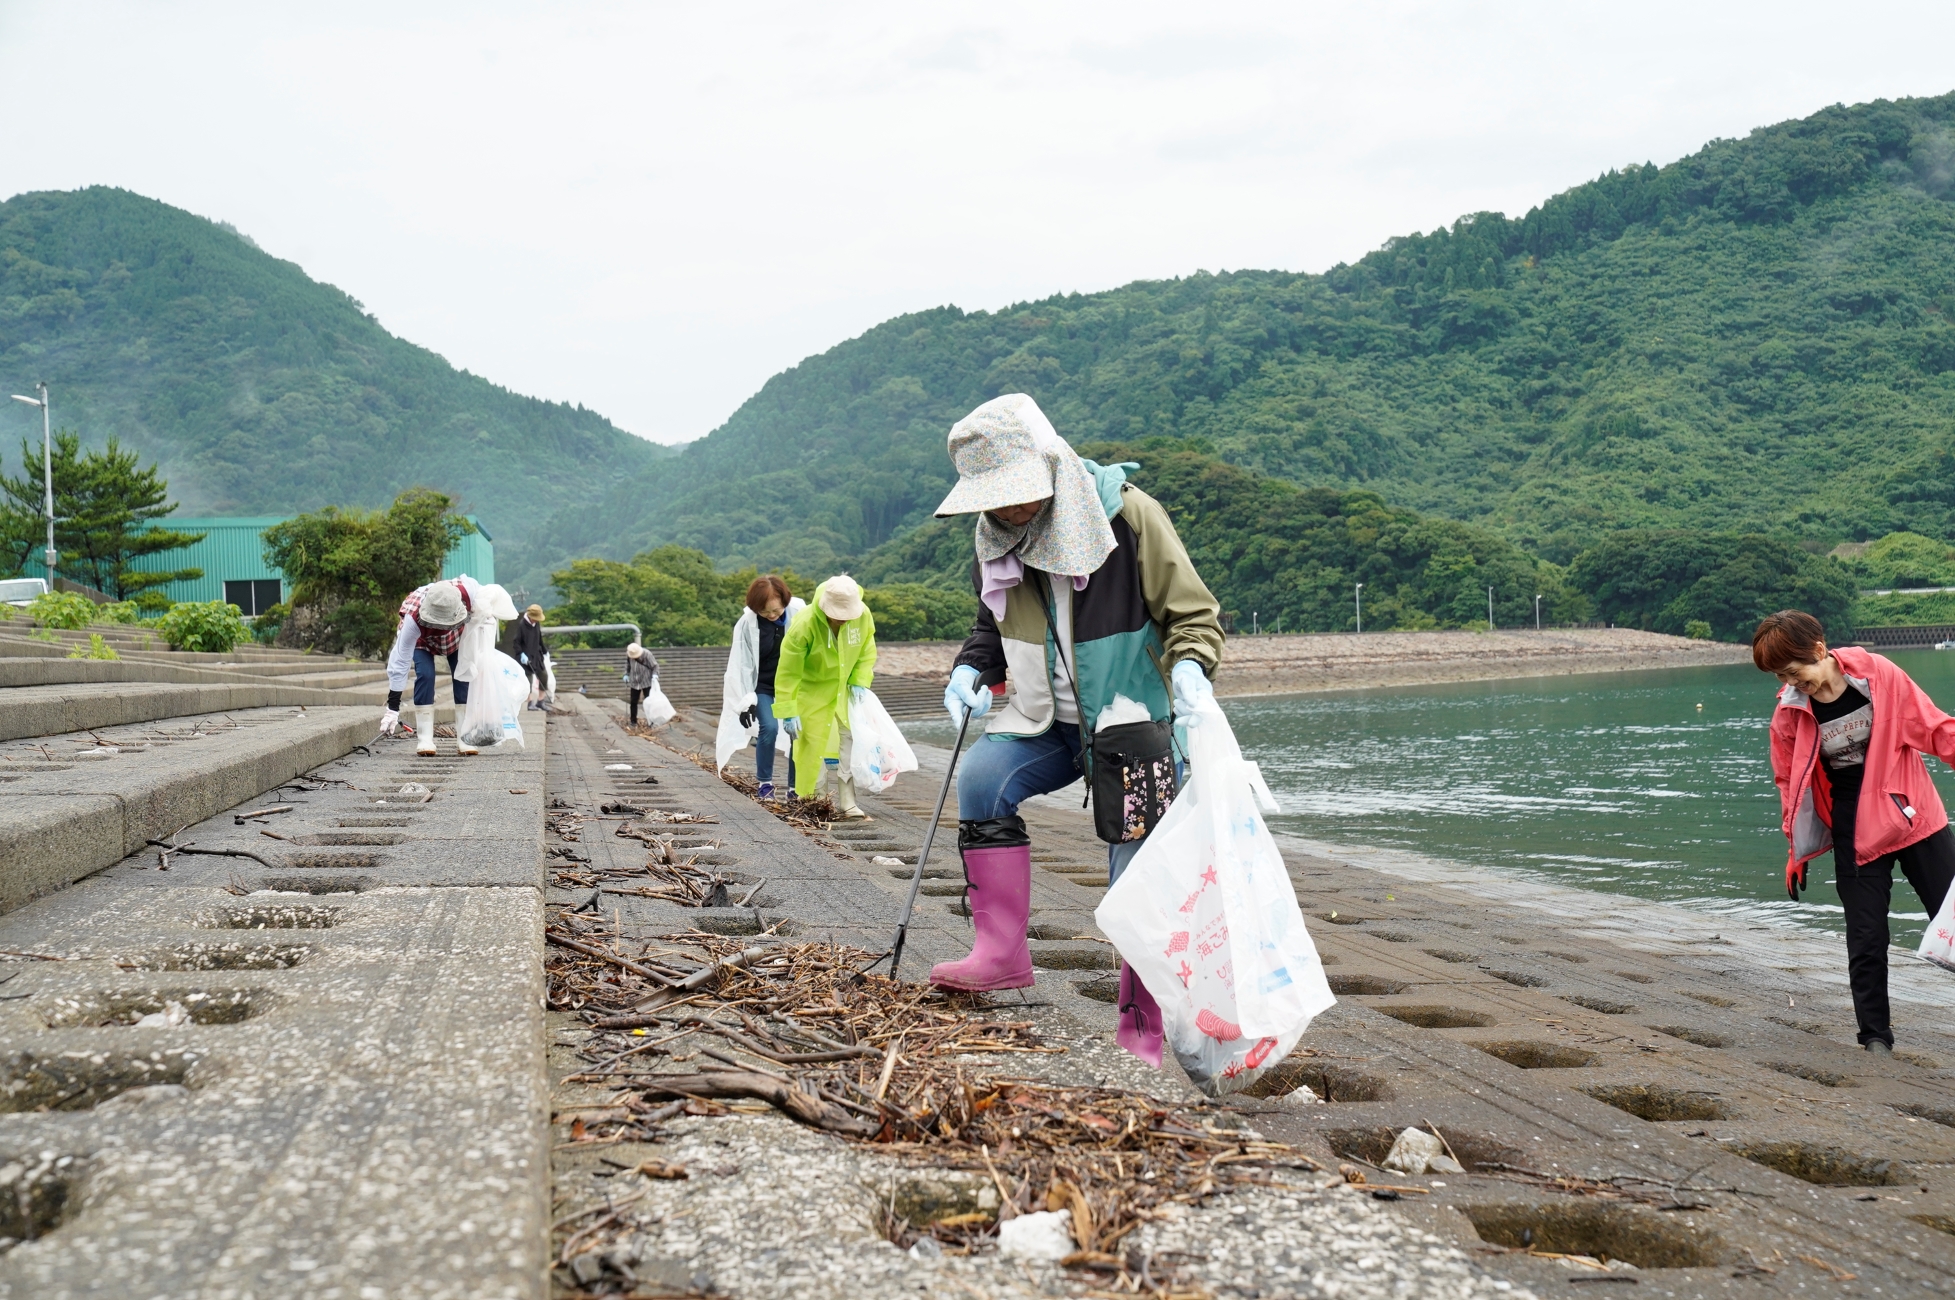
(591, 951)
(1444, 1143)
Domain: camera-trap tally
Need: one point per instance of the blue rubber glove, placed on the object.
(856, 693)
(1191, 690)
(964, 695)
(792, 726)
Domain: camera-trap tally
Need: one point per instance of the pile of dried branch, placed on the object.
(694, 1017)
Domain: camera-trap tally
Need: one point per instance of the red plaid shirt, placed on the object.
(436, 640)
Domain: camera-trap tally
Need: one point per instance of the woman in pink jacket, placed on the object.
(1847, 741)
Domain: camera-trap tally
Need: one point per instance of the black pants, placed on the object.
(637, 695)
(1866, 892)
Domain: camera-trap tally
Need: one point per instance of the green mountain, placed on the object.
(1753, 339)
(261, 391)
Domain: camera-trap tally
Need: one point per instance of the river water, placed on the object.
(1656, 784)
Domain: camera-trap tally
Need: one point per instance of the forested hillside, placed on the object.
(259, 390)
(1752, 339)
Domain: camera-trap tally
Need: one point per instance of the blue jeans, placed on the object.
(1000, 772)
(424, 679)
(770, 730)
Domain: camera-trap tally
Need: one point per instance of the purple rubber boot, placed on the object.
(1140, 1018)
(1001, 903)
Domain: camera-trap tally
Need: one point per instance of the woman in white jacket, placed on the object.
(747, 695)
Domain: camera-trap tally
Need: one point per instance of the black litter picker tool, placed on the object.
(923, 854)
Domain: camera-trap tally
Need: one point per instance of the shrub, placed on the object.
(266, 627)
(62, 609)
(96, 648)
(911, 611)
(118, 611)
(1697, 630)
(206, 626)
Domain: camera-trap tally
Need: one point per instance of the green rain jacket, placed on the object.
(817, 667)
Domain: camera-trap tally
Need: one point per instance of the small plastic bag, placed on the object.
(1208, 920)
(878, 751)
(657, 709)
(1938, 942)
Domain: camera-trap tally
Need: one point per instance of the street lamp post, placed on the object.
(47, 469)
(1537, 612)
(1357, 595)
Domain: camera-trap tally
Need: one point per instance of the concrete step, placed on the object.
(97, 680)
(366, 1115)
(63, 816)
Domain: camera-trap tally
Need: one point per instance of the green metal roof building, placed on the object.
(232, 556)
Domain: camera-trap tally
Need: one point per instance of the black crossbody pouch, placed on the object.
(1133, 779)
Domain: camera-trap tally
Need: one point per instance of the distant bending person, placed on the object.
(1847, 739)
(1088, 606)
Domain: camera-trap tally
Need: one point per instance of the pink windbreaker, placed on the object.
(1898, 802)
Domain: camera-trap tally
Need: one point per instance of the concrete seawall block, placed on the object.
(59, 826)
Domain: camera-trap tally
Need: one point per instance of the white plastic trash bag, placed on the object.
(1938, 943)
(657, 709)
(1207, 918)
(494, 712)
(879, 751)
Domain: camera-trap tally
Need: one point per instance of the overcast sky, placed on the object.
(651, 208)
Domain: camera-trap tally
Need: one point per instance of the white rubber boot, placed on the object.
(423, 730)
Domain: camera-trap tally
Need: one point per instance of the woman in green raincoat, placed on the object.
(827, 656)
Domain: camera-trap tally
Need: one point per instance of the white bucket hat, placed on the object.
(840, 597)
(1000, 453)
(441, 606)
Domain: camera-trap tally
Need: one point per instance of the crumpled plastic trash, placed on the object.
(412, 787)
(172, 1015)
(1414, 1152)
(889, 862)
(100, 751)
(1046, 1236)
(927, 1248)
(617, 767)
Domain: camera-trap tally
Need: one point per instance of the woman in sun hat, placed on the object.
(1086, 597)
(1847, 738)
(827, 656)
(433, 621)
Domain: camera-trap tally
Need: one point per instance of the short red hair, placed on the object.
(1787, 639)
(765, 586)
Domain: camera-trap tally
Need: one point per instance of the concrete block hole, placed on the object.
(43, 1081)
(347, 838)
(330, 861)
(273, 916)
(950, 873)
(1811, 1073)
(1701, 1037)
(1106, 989)
(317, 885)
(1044, 931)
(205, 1007)
(1607, 1006)
(1520, 978)
(1633, 1234)
(1450, 954)
(1372, 1144)
(1350, 985)
(1329, 1082)
(374, 821)
(734, 923)
(1432, 1017)
(1824, 1165)
(1096, 957)
(1342, 918)
(37, 1193)
(1937, 1114)
(1539, 1056)
(1659, 1104)
(226, 956)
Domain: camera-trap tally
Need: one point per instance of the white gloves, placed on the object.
(390, 722)
(965, 695)
(1191, 690)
